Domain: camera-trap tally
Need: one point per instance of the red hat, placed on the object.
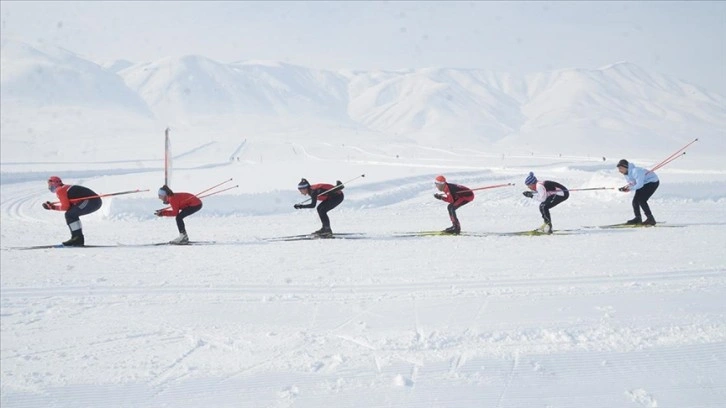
(55, 180)
(440, 180)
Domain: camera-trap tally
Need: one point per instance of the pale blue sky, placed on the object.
(686, 40)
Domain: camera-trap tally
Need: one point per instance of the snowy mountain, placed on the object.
(437, 100)
(117, 65)
(195, 85)
(564, 111)
(621, 102)
(44, 75)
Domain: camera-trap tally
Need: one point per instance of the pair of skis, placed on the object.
(532, 232)
(478, 234)
(314, 236)
(359, 235)
(52, 246)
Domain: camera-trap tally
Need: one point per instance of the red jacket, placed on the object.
(454, 192)
(316, 189)
(178, 202)
(68, 192)
(316, 195)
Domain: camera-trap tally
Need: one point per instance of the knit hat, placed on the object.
(440, 180)
(623, 163)
(53, 183)
(303, 184)
(165, 191)
(531, 179)
(55, 180)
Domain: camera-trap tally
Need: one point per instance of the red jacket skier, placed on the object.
(182, 205)
(75, 201)
(456, 195)
(332, 198)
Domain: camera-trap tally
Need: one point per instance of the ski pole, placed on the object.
(213, 187)
(73, 200)
(167, 156)
(662, 164)
(217, 192)
(334, 188)
(593, 188)
(488, 187)
(668, 159)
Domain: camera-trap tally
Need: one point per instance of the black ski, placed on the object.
(62, 246)
(169, 244)
(57, 246)
(626, 225)
(313, 236)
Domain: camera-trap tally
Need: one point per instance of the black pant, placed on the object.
(185, 212)
(454, 206)
(551, 201)
(640, 199)
(74, 213)
(327, 205)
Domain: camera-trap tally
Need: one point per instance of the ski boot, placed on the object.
(634, 221)
(182, 239)
(75, 241)
(454, 229)
(324, 232)
(649, 221)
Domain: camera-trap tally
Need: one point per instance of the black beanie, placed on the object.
(623, 163)
(303, 184)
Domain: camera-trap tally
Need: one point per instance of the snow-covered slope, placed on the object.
(38, 76)
(195, 85)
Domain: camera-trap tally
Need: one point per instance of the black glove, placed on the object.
(339, 185)
(624, 189)
(439, 196)
(157, 213)
(48, 205)
(528, 194)
(298, 206)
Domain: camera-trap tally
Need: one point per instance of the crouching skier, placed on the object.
(456, 195)
(182, 205)
(75, 201)
(330, 196)
(549, 194)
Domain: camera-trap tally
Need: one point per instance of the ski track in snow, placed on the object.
(427, 321)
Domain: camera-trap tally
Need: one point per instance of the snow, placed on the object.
(592, 318)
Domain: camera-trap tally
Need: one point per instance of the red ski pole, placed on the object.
(662, 164)
(73, 200)
(668, 159)
(488, 187)
(217, 192)
(213, 187)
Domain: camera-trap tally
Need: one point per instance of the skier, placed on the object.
(549, 194)
(75, 201)
(456, 195)
(644, 183)
(182, 205)
(330, 196)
